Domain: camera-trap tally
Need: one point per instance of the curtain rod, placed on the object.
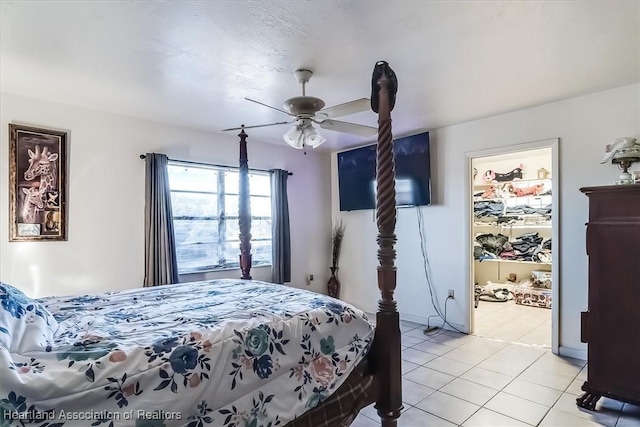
(143, 156)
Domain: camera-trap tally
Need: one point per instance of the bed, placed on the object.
(222, 353)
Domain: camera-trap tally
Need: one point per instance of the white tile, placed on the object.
(412, 324)
(471, 392)
(583, 373)
(486, 418)
(448, 366)
(429, 377)
(629, 409)
(484, 346)
(538, 336)
(466, 356)
(448, 407)
(434, 333)
(527, 349)
(363, 421)
(416, 356)
(557, 365)
(517, 407)
(628, 421)
(410, 341)
(630, 416)
(416, 333)
(557, 418)
(534, 392)
(453, 340)
(520, 353)
(575, 387)
(607, 410)
(413, 392)
(547, 379)
(415, 417)
(511, 367)
(505, 333)
(404, 328)
(370, 412)
(408, 367)
(487, 378)
(456, 334)
(566, 359)
(434, 348)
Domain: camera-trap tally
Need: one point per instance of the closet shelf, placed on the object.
(516, 181)
(493, 225)
(513, 261)
(504, 199)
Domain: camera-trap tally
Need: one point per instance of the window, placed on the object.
(205, 217)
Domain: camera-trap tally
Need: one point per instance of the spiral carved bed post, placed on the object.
(389, 403)
(244, 209)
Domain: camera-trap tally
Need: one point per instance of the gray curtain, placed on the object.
(161, 265)
(281, 234)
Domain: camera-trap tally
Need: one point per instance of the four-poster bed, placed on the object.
(379, 378)
(228, 352)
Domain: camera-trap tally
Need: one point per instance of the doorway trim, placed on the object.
(552, 143)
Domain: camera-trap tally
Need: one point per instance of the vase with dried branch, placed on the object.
(333, 286)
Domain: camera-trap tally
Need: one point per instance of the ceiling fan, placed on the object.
(307, 110)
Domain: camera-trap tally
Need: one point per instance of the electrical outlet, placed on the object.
(451, 293)
(311, 277)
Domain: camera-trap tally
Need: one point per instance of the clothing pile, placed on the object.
(497, 209)
(528, 210)
(526, 247)
(482, 209)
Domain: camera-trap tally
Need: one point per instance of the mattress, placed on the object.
(221, 353)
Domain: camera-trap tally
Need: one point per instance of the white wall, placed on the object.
(105, 247)
(583, 124)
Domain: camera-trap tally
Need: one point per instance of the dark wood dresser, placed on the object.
(611, 325)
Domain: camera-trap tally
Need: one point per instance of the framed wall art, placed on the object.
(38, 180)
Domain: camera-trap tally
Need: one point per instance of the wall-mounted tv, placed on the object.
(357, 174)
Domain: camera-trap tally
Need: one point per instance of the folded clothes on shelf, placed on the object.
(487, 208)
(528, 210)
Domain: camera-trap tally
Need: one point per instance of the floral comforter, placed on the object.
(221, 353)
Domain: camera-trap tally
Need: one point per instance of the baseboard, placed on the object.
(434, 321)
(573, 352)
(423, 321)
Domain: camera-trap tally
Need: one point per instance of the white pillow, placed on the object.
(25, 325)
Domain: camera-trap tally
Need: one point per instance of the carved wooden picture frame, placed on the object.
(37, 184)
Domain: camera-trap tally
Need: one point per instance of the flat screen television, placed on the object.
(357, 174)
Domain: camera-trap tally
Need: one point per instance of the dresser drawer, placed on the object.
(622, 204)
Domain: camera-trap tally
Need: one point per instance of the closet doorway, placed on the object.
(513, 244)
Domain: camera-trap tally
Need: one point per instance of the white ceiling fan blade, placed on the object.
(258, 126)
(346, 127)
(352, 107)
(268, 106)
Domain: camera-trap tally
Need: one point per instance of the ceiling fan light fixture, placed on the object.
(294, 137)
(312, 137)
(303, 134)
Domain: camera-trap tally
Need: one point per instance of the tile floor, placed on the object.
(515, 323)
(451, 379)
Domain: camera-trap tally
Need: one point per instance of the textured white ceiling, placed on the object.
(192, 63)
